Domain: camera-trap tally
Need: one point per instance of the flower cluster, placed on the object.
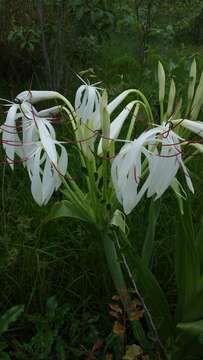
(161, 147)
(146, 165)
(30, 135)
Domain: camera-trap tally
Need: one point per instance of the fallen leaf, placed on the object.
(116, 308)
(109, 356)
(135, 309)
(136, 315)
(114, 314)
(118, 329)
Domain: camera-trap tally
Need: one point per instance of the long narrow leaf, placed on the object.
(67, 209)
(148, 245)
(153, 295)
(187, 263)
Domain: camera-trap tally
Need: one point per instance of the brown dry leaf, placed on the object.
(109, 356)
(116, 308)
(114, 314)
(135, 309)
(134, 304)
(136, 315)
(118, 329)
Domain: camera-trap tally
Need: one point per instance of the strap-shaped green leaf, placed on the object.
(66, 208)
(194, 328)
(199, 243)
(187, 264)
(152, 293)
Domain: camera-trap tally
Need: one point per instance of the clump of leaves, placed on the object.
(47, 337)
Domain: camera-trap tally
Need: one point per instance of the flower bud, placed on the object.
(161, 80)
(191, 87)
(171, 98)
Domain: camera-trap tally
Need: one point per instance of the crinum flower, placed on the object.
(30, 135)
(87, 105)
(18, 111)
(161, 148)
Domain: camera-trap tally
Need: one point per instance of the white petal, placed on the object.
(48, 182)
(78, 96)
(54, 110)
(47, 141)
(114, 103)
(61, 167)
(118, 122)
(187, 177)
(36, 183)
(9, 134)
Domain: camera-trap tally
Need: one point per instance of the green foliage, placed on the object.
(6, 320)
(25, 38)
(10, 316)
(46, 338)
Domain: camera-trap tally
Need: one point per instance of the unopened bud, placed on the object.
(161, 80)
(171, 98)
(193, 74)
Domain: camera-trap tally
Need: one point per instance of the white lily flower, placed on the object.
(87, 105)
(163, 166)
(20, 109)
(126, 172)
(45, 166)
(37, 147)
